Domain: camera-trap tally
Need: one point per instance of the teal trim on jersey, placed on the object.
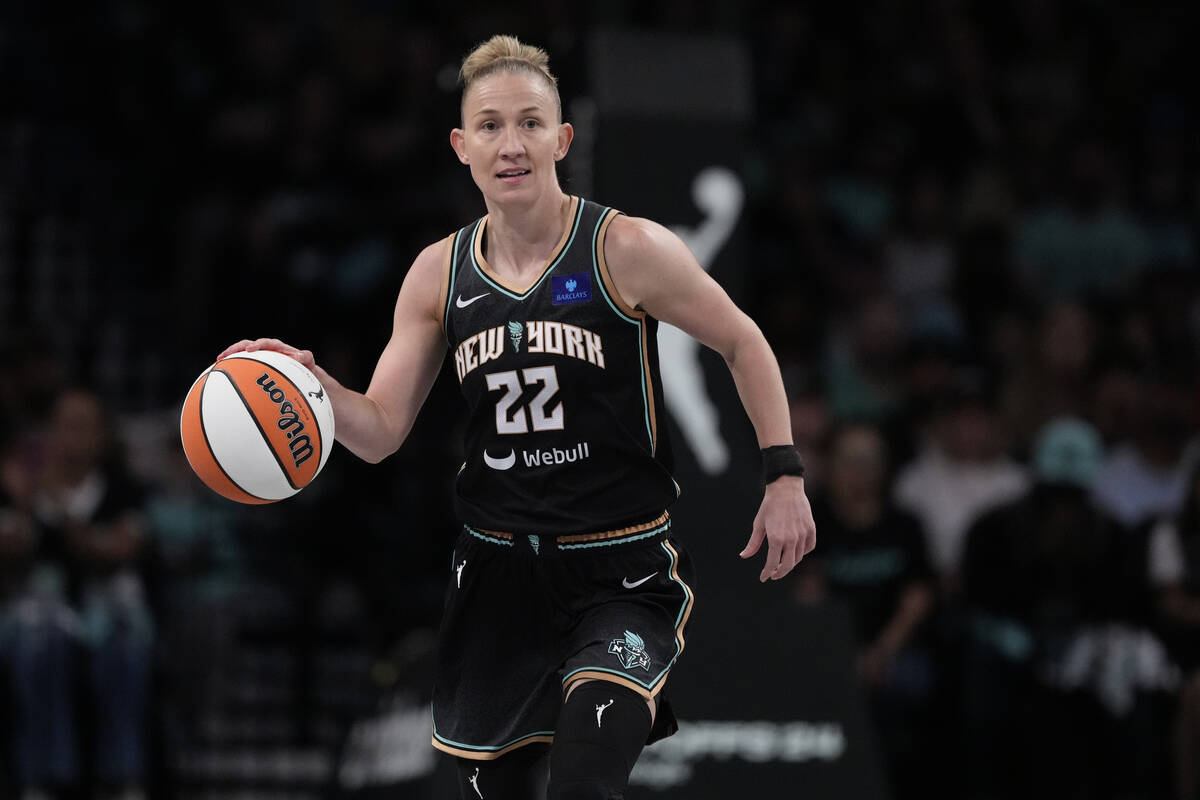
(596, 270)
(450, 286)
(618, 540)
(687, 601)
(486, 748)
(639, 322)
(487, 538)
(561, 253)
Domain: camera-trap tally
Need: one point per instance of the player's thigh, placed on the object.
(600, 733)
(652, 702)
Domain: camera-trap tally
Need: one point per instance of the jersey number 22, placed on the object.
(534, 415)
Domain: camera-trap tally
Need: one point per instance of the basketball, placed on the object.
(257, 427)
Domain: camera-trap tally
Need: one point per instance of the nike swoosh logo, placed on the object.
(625, 581)
(500, 463)
(464, 303)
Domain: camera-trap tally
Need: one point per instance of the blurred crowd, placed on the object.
(971, 239)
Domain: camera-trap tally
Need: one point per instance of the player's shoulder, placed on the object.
(638, 238)
(431, 262)
(424, 289)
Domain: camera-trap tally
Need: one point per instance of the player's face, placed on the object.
(511, 136)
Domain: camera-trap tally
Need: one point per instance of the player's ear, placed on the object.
(459, 143)
(565, 136)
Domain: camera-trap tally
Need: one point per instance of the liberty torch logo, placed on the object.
(630, 651)
(515, 332)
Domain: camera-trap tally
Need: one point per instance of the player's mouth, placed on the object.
(512, 175)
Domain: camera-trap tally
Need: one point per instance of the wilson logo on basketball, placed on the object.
(250, 430)
(299, 442)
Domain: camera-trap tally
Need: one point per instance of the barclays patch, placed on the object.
(569, 289)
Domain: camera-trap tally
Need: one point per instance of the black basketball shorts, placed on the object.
(528, 616)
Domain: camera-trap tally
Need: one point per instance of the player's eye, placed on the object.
(531, 123)
(488, 126)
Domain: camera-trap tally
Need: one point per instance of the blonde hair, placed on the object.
(507, 54)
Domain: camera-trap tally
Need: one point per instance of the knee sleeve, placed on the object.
(601, 731)
(518, 775)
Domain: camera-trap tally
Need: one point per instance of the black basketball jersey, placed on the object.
(565, 430)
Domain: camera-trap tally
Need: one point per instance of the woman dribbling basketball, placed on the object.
(569, 596)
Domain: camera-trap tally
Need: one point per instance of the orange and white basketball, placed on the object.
(257, 427)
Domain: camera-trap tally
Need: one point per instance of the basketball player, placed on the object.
(568, 595)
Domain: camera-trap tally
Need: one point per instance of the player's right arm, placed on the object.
(372, 425)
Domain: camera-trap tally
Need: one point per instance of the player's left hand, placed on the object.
(785, 521)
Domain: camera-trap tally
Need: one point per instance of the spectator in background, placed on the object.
(1085, 243)
(90, 514)
(920, 259)
(40, 639)
(192, 536)
(960, 472)
(930, 364)
(873, 557)
(1162, 187)
(18, 536)
(862, 361)
(1145, 477)
(1033, 573)
(1053, 378)
(1174, 573)
(862, 194)
(1156, 318)
(1115, 399)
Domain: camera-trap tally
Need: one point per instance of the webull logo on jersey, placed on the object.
(567, 289)
(554, 338)
(630, 651)
(540, 457)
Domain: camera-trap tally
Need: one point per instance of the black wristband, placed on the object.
(782, 459)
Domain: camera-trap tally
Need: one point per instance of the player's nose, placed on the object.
(511, 144)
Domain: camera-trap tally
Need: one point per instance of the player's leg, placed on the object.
(518, 775)
(634, 637)
(600, 733)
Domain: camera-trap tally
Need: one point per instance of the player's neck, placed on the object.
(523, 239)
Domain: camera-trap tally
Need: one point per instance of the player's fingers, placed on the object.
(810, 542)
(306, 358)
(756, 539)
(234, 348)
(787, 560)
(774, 554)
(271, 344)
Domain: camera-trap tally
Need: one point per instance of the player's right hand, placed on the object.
(305, 357)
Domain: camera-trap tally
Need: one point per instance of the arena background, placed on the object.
(923, 205)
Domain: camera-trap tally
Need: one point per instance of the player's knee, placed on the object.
(601, 731)
(518, 775)
(595, 789)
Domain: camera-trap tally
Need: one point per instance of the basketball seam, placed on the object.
(237, 389)
(208, 443)
(312, 411)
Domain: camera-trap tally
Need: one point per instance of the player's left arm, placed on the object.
(655, 272)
